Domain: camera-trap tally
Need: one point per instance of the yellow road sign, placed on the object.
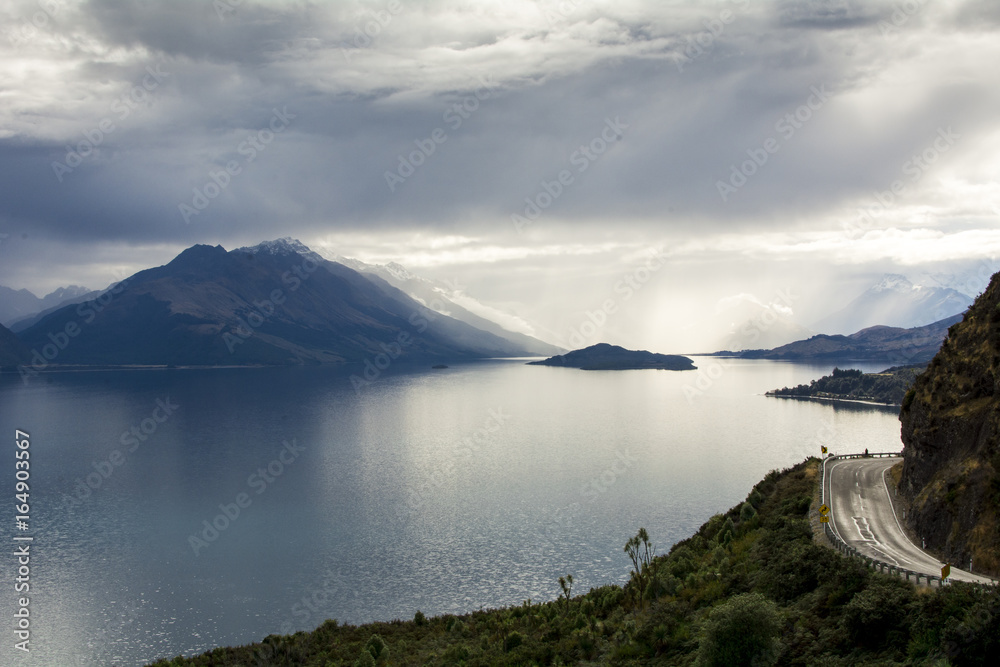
(824, 510)
(945, 571)
(824, 519)
(823, 447)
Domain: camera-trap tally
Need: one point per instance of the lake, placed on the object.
(177, 510)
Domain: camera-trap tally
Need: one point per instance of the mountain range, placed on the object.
(19, 304)
(895, 345)
(895, 301)
(443, 298)
(275, 303)
(262, 305)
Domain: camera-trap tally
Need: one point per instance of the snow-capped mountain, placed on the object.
(16, 305)
(896, 302)
(274, 303)
(451, 300)
(282, 246)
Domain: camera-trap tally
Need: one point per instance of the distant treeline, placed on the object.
(888, 386)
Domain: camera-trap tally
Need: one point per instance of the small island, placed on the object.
(889, 386)
(605, 357)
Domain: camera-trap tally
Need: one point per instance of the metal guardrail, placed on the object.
(873, 455)
(876, 564)
(843, 547)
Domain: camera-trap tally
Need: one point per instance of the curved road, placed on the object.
(862, 513)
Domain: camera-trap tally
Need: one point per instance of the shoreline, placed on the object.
(833, 399)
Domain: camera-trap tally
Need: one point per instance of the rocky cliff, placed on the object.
(951, 432)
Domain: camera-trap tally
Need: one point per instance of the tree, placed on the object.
(741, 631)
(566, 583)
(641, 552)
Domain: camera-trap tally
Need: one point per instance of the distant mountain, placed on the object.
(751, 323)
(275, 303)
(72, 297)
(18, 304)
(895, 301)
(892, 344)
(12, 350)
(442, 298)
(765, 330)
(605, 357)
(15, 304)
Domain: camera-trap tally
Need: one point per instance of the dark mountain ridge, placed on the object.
(896, 346)
(273, 304)
(12, 350)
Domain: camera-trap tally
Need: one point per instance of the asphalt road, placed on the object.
(862, 513)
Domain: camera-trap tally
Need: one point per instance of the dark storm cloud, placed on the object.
(695, 90)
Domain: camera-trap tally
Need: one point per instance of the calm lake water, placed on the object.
(439, 490)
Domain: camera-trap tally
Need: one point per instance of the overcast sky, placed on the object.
(737, 138)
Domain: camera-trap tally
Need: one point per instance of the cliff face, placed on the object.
(951, 433)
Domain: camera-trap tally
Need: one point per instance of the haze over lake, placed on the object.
(440, 490)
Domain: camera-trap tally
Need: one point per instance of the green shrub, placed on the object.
(741, 631)
(880, 613)
(365, 659)
(513, 640)
(377, 649)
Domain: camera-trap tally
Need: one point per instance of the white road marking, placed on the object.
(873, 544)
